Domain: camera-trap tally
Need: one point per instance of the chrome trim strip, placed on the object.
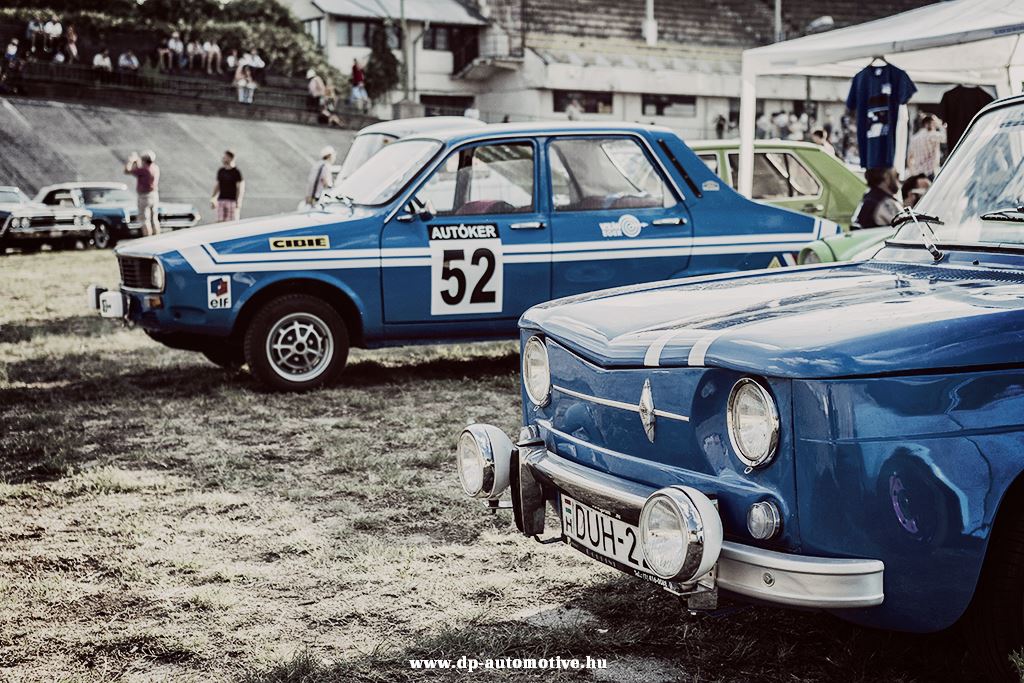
(618, 404)
(768, 575)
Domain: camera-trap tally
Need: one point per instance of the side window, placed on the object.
(490, 179)
(51, 198)
(604, 173)
(711, 161)
(777, 175)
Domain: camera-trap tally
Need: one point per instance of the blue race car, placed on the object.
(447, 236)
(845, 437)
(114, 210)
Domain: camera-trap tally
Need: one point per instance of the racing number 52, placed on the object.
(450, 271)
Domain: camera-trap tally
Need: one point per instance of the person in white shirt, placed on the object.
(321, 176)
(128, 62)
(52, 32)
(101, 62)
(177, 49)
(211, 55)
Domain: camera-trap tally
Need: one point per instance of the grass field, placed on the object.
(162, 519)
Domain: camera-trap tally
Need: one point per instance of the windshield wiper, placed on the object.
(922, 221)
(1015, 215)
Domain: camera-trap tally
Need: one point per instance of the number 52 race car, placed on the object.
(447, 236)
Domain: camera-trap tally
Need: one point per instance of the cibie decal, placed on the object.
(313, 242)
(627, 226)
(218, 291)
(466, 269)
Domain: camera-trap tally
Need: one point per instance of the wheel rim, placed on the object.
(100, 236)
(300, 346)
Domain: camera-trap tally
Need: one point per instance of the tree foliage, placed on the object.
(382, 71)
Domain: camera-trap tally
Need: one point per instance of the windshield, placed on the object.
(985, 173)
(387, 172)
(12, 196)
(363, 147)
(106, 195)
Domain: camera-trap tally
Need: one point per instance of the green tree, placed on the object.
(382, 71)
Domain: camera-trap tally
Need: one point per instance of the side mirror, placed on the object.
(415, 208)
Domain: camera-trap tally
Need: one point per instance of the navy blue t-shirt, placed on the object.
(876, 95)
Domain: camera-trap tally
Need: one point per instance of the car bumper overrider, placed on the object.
(538, 477)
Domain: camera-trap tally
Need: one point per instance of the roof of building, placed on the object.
(438, 11)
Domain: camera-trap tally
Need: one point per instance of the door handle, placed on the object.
(669, 221)
(528, 225)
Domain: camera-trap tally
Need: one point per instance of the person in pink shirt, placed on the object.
(147, 182)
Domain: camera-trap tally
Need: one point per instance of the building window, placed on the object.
(589, 102)
(679, 106)
(352, 33)
(315, 29)
(446, 105)
(437, 38)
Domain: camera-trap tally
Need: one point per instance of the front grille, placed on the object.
(136, 273)
(47, 221)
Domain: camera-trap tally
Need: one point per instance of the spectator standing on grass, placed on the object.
(147, 182)
(128, 62)
(52, 32)
(211, 56)
(177, 49)
(879, 205)
(228, 190)
(101, 62)
(246, 85)
(321, 175)
(925, 151)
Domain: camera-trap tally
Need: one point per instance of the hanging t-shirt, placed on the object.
(876, 95)
(958, 107)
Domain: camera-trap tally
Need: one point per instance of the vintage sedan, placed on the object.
(845, 437)
(28, 225)
(447, 236)
(795, 175)
(115, 209)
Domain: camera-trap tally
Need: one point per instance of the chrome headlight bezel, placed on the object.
(765, 455)
(700, 533)
(538, 388)
(483, 457)
(158, 276)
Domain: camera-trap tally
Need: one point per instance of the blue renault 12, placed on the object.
(848, 438)
(443, 237)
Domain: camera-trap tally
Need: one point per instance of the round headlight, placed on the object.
(536, 373)
(763, 520)
(156, 277)
(680, 533)
(20, 223)
(753, 423)
(471, 465)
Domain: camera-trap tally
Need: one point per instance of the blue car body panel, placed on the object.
(389, 269)
(900, 390)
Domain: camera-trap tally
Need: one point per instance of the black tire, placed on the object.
(102, 236)
(227, 356)
(310, 361)
(994, 624)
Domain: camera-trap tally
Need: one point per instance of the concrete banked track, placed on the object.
(44, 142)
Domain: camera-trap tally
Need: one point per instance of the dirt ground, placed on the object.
(162, 519)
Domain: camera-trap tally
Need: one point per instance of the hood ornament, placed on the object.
(646, 409)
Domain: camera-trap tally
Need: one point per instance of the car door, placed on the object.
(615, 220)
(482, 251)
(782, 179)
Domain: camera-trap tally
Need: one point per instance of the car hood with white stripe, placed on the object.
(873, 317)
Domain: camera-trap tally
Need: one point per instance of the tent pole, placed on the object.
(748, 112)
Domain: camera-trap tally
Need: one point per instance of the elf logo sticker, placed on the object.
(286, 243)
(218, 292)
(627, 226)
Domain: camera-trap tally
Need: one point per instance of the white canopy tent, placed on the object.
(979, 42)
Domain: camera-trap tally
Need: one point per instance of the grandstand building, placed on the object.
(671, 62)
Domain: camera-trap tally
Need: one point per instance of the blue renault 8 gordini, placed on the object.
(448, 236)
(848, 438)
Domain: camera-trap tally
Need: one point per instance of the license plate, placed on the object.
(602, 536)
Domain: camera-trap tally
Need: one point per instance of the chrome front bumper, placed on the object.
(766, 575)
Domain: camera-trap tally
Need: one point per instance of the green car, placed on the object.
(846, 246)
(794, 175)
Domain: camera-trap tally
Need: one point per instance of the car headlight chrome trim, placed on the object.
(157, 276)
(536, 371)
(483, 456)
(753, 455)
(690, 549)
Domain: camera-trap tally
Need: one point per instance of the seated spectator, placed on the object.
(914, 188)
(128, 62)
(211, 56)
(52, 32)
(34, 35)
(177, 49)
(58, 57)
(879, 205)
(71, 44)
(11, 53)
(164, 58)
(246, 85)
(194, 54)
(328, 108)
(232, 63)
(255, 63)
(101, 62)
(317, 88)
